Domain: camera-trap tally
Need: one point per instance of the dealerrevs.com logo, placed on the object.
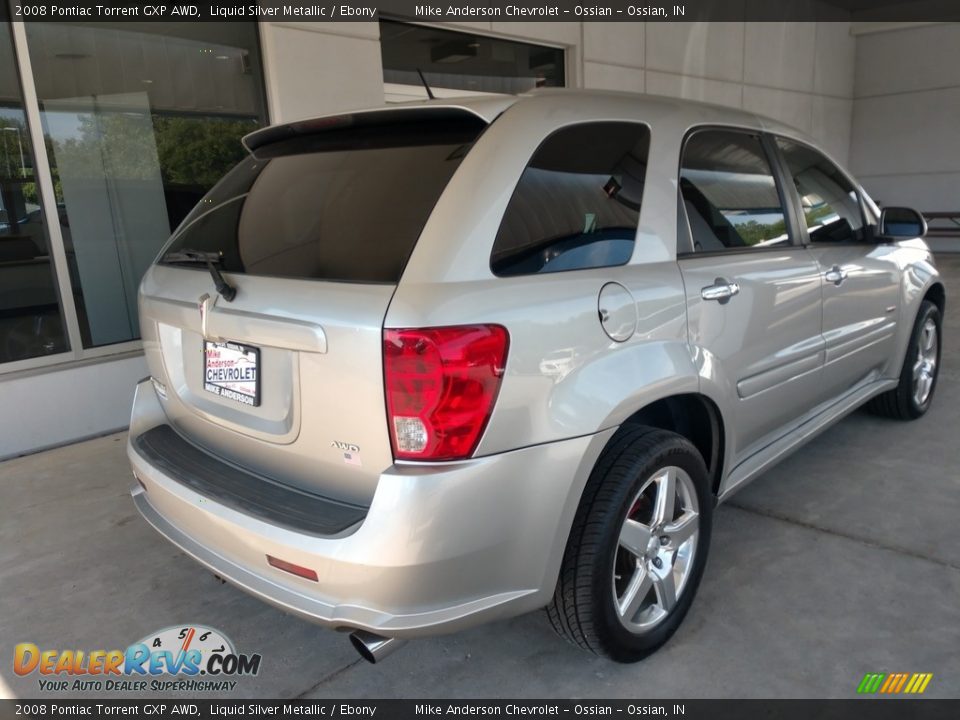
(188, 658)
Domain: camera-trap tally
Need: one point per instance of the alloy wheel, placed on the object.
(657, 543)
(925, 367)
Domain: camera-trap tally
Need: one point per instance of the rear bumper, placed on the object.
(441, 548)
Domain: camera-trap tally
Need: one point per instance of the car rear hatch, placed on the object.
(313, 231)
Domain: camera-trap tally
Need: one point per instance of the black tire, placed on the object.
(900, 403)
(583, 609)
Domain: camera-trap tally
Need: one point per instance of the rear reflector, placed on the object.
(441, 385)
(289, 567)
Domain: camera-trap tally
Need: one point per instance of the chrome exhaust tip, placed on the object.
(374, 648)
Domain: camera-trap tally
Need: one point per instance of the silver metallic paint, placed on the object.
(449, 545)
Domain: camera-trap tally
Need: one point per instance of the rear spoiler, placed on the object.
(392, 116)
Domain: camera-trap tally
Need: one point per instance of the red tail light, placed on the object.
(441, 384)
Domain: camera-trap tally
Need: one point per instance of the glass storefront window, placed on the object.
(31, 319)
(463, 61)
(139, 121)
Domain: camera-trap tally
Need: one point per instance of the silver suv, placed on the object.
(425, 366)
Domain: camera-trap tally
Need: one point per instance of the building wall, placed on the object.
(313, 68)
(51, 407)
(906, 116)
(799, 73)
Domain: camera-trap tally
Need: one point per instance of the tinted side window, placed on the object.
(577, 203)
(831, 208)
(729, 193)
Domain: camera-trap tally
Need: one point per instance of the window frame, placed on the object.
(630, 261)
(685, 234)
(866, 217)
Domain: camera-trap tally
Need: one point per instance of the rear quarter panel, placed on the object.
(564, 376)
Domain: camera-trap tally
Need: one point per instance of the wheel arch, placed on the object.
(695, 417)
(691, 414)
(937, 294)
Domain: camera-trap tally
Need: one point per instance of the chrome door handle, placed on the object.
(721, 291)
(835, 275)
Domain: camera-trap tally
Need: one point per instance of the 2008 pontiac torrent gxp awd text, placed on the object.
(424, 366)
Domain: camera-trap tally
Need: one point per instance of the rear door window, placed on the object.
(577, 203)
(343, 205)
(730, 194)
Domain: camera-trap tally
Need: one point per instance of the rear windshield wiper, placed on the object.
(199, 257)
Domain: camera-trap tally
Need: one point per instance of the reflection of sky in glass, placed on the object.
(62, 125)
(11, 114)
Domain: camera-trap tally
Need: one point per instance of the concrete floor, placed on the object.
(840, 561)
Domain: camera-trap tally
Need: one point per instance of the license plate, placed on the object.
(232, 371)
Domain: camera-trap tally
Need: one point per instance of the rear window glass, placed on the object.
(577, 203)
(343, 205)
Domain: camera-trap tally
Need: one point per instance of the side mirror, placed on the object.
(900, 222)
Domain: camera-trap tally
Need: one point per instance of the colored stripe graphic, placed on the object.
(891, 678)
(894, 683)
(870, 683)
(900, 683)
